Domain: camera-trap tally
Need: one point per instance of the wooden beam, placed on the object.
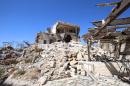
(107, 4)
(89, 46)
(120, 8)
(120, 21)
(119, 26)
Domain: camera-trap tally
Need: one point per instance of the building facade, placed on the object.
(60, 31)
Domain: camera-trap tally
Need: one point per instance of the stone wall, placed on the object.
(102, 68)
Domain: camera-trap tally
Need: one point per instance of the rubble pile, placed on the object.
(8, 55)
(98, 54)
(59, 63)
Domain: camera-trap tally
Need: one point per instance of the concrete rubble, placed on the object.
(57, 64)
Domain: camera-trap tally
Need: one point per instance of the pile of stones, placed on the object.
(60, 63)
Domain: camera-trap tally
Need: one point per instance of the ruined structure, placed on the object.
(112, 35)
(73, 64)
(108, 32)
(115, 38)
(59, 32)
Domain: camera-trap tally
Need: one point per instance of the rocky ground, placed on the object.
(56, 64)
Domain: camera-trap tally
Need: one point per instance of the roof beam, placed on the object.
(120, 21)
(118, 10)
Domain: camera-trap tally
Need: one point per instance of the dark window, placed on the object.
(58, 31)
(52, 34)
(72, 31)
(44, 41)
(58, 40)
(67, 38)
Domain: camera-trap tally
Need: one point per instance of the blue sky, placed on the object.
(22, 19)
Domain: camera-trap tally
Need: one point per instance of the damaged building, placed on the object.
(115, 38)
(60, 31)
(112, 33)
